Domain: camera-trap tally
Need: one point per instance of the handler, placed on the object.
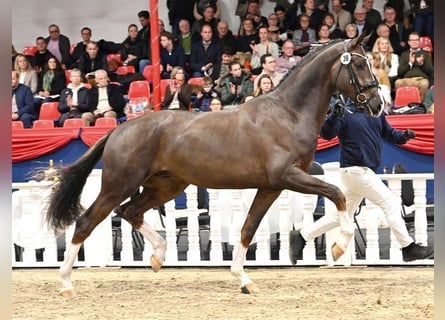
(360, 154)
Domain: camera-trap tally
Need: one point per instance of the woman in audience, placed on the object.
(334, 32)
(382, 78)
(178, 93)
(276, 33)
(27, 74)
(265, 85)
(388, 59)
(247, 37)
(350, 31)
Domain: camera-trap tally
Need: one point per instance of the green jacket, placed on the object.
(406, 71)
(246, 88)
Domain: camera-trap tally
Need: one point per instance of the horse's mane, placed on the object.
(310, 56)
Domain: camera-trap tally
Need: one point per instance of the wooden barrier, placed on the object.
(115, 243)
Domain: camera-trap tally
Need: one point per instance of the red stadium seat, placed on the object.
(49, 111)
(426, 43)
(106, 122)
(115, 56)
(29, 50)
(74, 123)
(122, 70)
(406, 95)
(139, 89)
(43, 124)
(164, 84)
(148, 72)
(197, 80)
(72, 47)
(17, 125)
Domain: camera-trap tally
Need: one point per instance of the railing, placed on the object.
(111, 244)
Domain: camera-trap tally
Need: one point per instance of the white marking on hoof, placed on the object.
(68, 292)
(337, 251)
(156, 264)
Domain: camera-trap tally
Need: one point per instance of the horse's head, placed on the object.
(354, 78)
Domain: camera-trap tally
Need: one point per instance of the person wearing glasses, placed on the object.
(269, 67)
(59, 45)
(415, 66)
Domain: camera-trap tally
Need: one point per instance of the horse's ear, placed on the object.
(363, 38)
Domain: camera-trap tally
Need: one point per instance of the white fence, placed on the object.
(112, 244)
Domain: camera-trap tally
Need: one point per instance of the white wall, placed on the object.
(108, 19)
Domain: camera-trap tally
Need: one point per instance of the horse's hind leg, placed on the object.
(154, 194)
(261, 203)
(85, 224)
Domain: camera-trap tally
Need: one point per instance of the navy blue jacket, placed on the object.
(360, 137)
(24, 99)
(200, 57)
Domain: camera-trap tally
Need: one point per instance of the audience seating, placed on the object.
(406, 95)
(426, 43)
(106, 122)
(67, 76)
(29, 50)
(43, 124)
(148, 72)
(139, 89)
(122, 70)
(74, 123)
(164, 83)
(115, 56)
(17, 125)
(197, 80)
(49, 111)
(72, 47)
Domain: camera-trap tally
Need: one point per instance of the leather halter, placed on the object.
(361, 98)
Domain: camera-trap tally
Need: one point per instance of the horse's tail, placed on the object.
(64, 206)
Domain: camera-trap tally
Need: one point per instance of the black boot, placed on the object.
(416, 252)
(296, 246)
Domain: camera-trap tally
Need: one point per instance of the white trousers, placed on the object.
(359, 183)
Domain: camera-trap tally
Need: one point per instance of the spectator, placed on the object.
(334, 32)
(50, 83)
(415, 67)
(253, 13)
(342, 17)
(360, 21)
(104, 100)
(22, 102)
(265, 85)
(226, 37)
(382, 30)
(80, 48)
(323, 36)
(268, 64)
(247, 37)
(179, 10)
(133, 48)
(429, 100)
(42, 55)
(286, 18)
(276, 33)
(27, 75)
(304, 36)
(287, 59)
(74, 98)
(92, 60)
(373, 17)
(161, 26)
(235, 86)
(397, 34)
(315, 14)
(216, 104)
(388, 59)
(178, 93)
(261, 48)
(208, 19)
(351, 31)
(172, 55)
(59, 45)
(144, 35)
(206, 54)
(185, 38)
(200, 6)
(205, 96)
(224, 67)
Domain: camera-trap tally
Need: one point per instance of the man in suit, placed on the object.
(59, 45)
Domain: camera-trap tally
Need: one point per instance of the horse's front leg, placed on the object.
(262, 202)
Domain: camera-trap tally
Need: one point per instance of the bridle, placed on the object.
(360, 98)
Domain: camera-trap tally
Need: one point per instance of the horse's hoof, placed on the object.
(337, 251)
(68, 293)
(156, 265)
(249, 288)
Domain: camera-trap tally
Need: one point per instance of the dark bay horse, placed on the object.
(267, 143)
